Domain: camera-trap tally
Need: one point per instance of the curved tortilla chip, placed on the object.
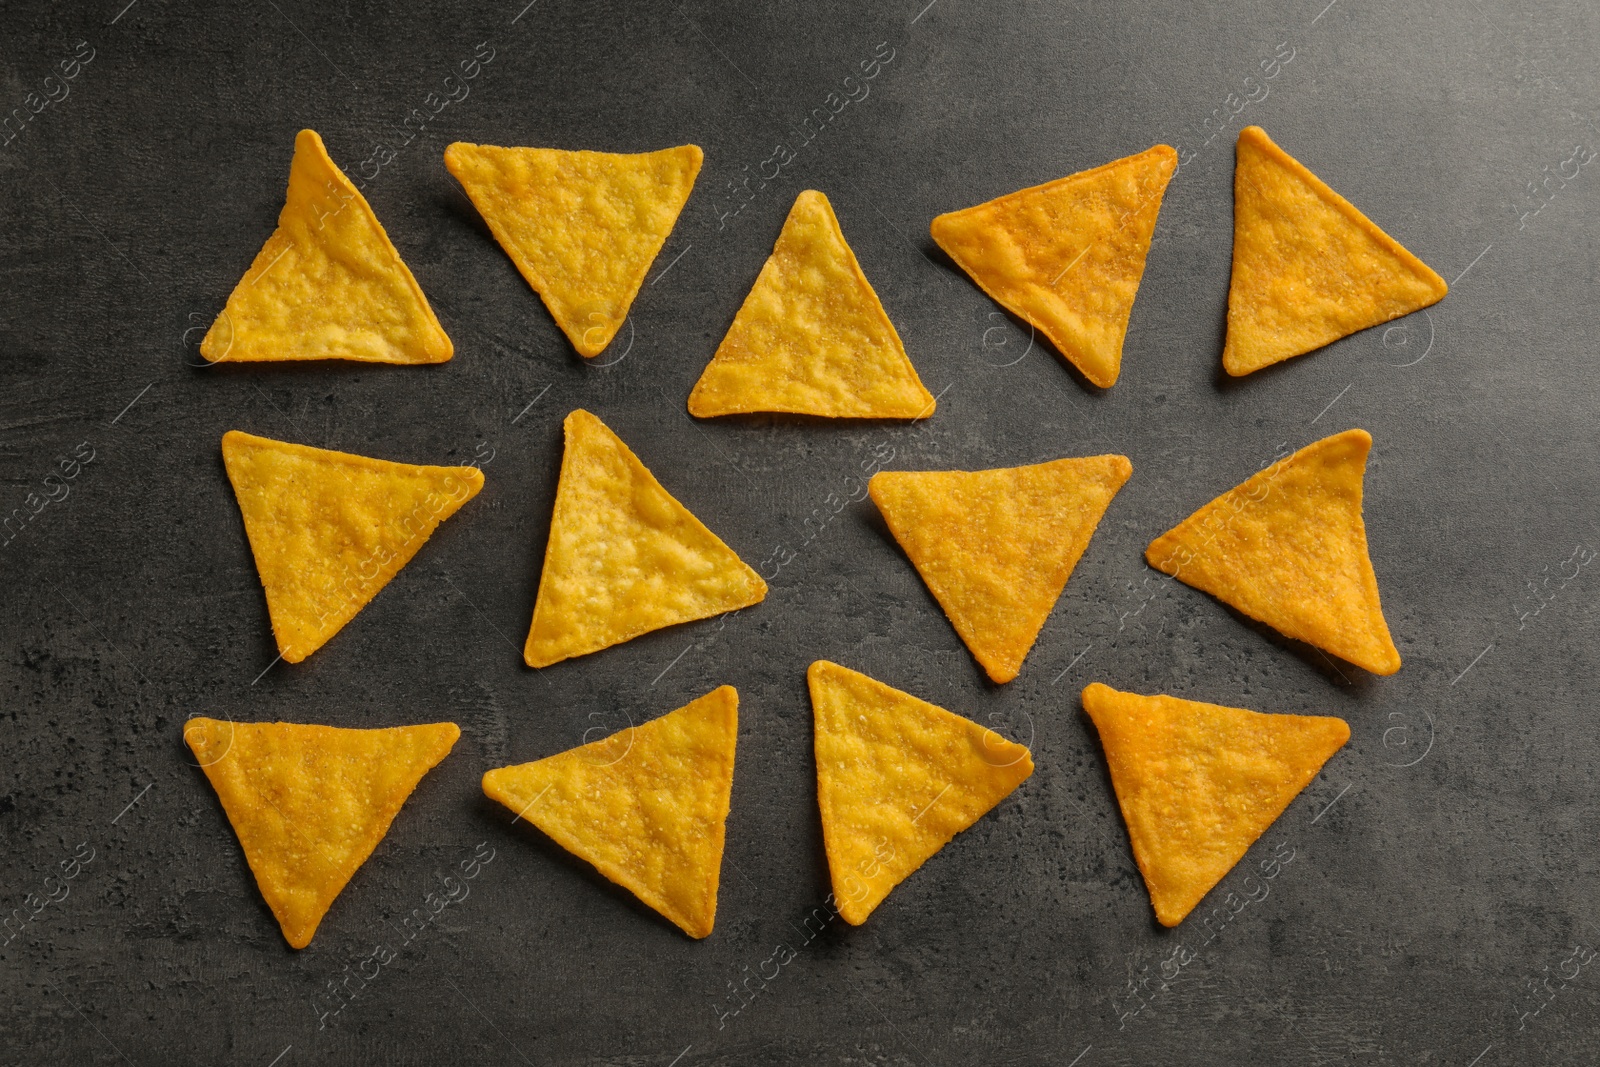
(1198, 783)
(897, 778)
(996, 547)
(647, 805)
(328, 529)
(624, 557)
(328, 284)
(812, 337)
(1067, 256)
(310, 803)
(1288, 548)
(1308, 268)
(582, 227)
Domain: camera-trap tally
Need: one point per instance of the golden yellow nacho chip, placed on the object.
(1067, 256)
(812, 337)
(1288, 548)
(996, 547)
(310, 803)
(646, 805)
(624, 557)
(582, 227)
(1198, 783)
(328, 284)
(897, 778)
(328, 529)
(1308, 268)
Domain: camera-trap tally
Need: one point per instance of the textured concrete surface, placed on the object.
(1431, 894)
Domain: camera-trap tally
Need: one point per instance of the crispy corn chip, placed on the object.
(1308, 268)
(328, 284)
(1288, 548)
(812, 337)
(897, 778)
(996, 547)
(1067, 256)
(310, 803)
(1198, 783)
(624, 557)
(582, 227)
(646, 805)
(328, 529)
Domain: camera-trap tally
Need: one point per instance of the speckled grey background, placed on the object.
(1437, 905)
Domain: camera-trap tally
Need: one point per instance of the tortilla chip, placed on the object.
(319, 521)
(897, 778)
(1198, 783)
(582, 227)
(646, 806)
(996, 547)
(328, 284)
(812, 337)
(1308, 268)
(1288, 548)
(1067, 256)
(310, 803)
(624, 557)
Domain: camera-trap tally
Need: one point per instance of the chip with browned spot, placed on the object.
(310, 803)
(624, 557)
(647, 805)
(582, 227)
(812, 337)
(329, 529)
(897, 778)
(1067, 256)
(1288, 547)
(996, 546)
(1198, 783)
(1308, 268)
(328, 284)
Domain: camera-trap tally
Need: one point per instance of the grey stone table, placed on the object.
(1439, 905)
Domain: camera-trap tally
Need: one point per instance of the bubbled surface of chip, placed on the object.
(996, 547)
(328, 530)
(1199, 783)
(624, 557)
(1068, 256)
(1308, 267)
(897, 778)
(646, 806)
(1288, 547)
(581, 227)
(328, 284)
(812, 337)
(310, 803)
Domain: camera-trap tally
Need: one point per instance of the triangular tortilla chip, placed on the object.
(1288, 548)
(582, 227)
(310, 803)
(624, 557)
(811, 337)
(328, 284)
(1067, 256)
(646, 805)
(328, 529)
(897, 778)
(1198, 783)
(1308, 268)
(996, 547)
